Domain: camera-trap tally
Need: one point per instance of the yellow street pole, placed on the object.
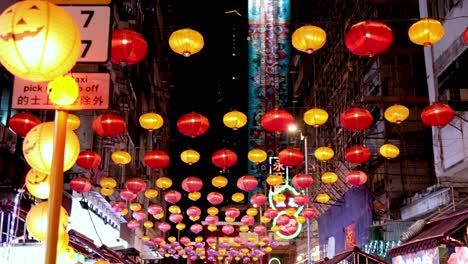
(56, 186)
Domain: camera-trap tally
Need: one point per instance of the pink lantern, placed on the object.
(133, 224)
(211, 219)
(127, 195)
(258, 199)
(357, 154)
(158, 240)
(135, 185)
(215, 198)
(290, 157)
(302, 181)
(155, 209)
(260, 230)
(247, 183)
(118, 206)
(309, 213)
(176, 218)
(232, 212)
(196, 228)
(139, 215)
(270, 213)
(247, 220)
(211, 240)
(228, 229)
(193, 211)
(172, 196)
(356, 178)
(301, 199)
(192, 184)
(164, 227)
(184, 240)
(80, 184)
(282, 220)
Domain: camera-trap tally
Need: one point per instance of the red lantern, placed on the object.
(228, 229)
(127, 195)
(196, 228)
(258, 199)
(224, 158)
(356, 119)
(302, 181)
(437, 114)
(88, 159)
(127, 47)
(270, 213)
(301, 199)
(211, 219)
(232, 212)
(139, 215)
(164, 227)
(193, 124)
(309, 213)
(248, 220)
(247, 183)
(368, 38)
(155, 209)
(260, 230)
(118, 206)
(172, 196)
(277, 120)
(357, 154)
(135, 185)
(156, 159)
(133, 224)
(282, 220)
(109, 125)
(465, 35)
(215, 198)
(192, 184)
(21, 123)
(356, 178)
(290, 157)
(80, 184)
(193, 211)
(176, 218)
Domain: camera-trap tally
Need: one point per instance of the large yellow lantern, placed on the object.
(257, 155)
(73, 121)
(389, 151)
(194, 196)
(186, 42)
(396, 113)
(308, 38)
(38, 184)
(38, 218)
(329, 177)
(274, 180)
(219, 181)
(163, 183)
(40, 41)
(322, 198)
(235, 119)
(238, 197)
(315, 117)
(324, 153)
(190, 156)
(426, 32)
(121, 157)
(38, 147)
(63, 90)
(151, 121)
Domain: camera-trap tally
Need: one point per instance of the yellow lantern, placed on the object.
(198, 239)
(238, 197)
(279, 197)
(212, 210)
(300, 219)
(101, 261)
(163, 183)
(121, 157)
(135, 206)
(257, 155)
(329, 177)
(324, 153)
(151, 121)
(180, 226)
(171, 239)
(275, 228)
(396, 113)
(151, 193)
(145, 238)
(73, 121)
(148, 224)
(62, 242)
(38, 217)
(212, 228)
(38, 184)
(261, 243)
(190, 156)
(322, 198)
(229, 219)
(67, 255)
(244, 228)
(274, 180)
(252, 211)
(38, 44)
(269, 249)
(315, 117)
(38, 147)
(124, 212)
(174, 209)
(291, 211)
(219, 181)
(186, 42)
(235, 119)
(159, 216)
(108, 182)
(278, 238)
(107, 191)
(63, 90)
(389, 151)
(426, 32)
(194, 218)
(265, 219)
(308, 38)
(194, 196)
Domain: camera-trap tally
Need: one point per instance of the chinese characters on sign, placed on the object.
(94, 93)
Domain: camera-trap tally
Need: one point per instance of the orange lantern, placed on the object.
(186, 42)
(163, 183)
(235, 119)
(40, 41)
(257, 155)
(324, 153)
(73, 121)
(190, 156)
(368, 38)
(127, 47)
(274, 180)
(193, 124)
(426, 32)
(437, 114)
(88, 159)
(389, 151)
(396, 113)
(151, 121)
(38, 145)
(37, 219)
(315, 117)
(356, 119)
(108, 182)
(322, 198)
(38, 184)
(109, 125)
(22, 123)
(357, 154)
(329, 177)
(156, 159)
(219, 181)
(276, 120)
(290, 157)
(63, 90)
(356, 178)
(308, 38)
(224, 158)
(121, 157)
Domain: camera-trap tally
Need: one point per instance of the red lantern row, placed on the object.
(193, 124)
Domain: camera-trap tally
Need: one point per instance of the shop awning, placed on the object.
(354, 255)
(434, 233)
